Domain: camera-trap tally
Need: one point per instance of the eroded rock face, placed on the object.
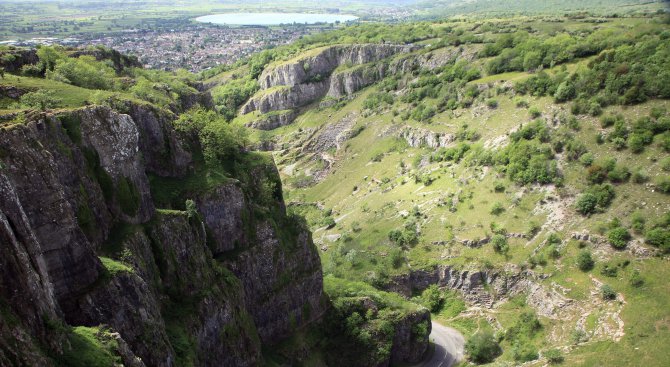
(297, 83)
(408, 347)
(325, 60)
(417, 137)
(163, 153)
(273, 121)
(206, 289)
(293, 277)
(285, 97)
(48, 199)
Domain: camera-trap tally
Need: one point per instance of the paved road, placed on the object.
(449, 345)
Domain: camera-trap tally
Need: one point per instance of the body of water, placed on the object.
(273, 18)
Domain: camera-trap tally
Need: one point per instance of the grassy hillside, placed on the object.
(550, 130)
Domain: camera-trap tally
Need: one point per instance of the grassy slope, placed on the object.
(360, 197)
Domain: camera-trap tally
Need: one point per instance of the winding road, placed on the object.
(449, 345)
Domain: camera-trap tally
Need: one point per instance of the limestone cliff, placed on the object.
(335, 71)
(83, 244)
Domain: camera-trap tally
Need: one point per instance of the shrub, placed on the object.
(636, 143)
(586, 159)
(663, 184)
(636, 279)
(595, 198)
(499, 187)
(610, 120)
(585, 261)
(554, 356)
(191, 208)
(482, 347)
(499, 242)
(497, 208)
(84, 72)
(587, 204)
(534, 112)
(607, 292)
(659, 237)
(40, 100)
(637, 222)
(533, 229)
(524, 352)
(609, 270)
(492, 103)
(406, 235)
(432, 297)
(619, 174)
(639, 176)
(328, 222)
(564, 92)
(618, 237)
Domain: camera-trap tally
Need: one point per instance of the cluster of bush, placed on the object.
(376, 100)
(405, 236)
(629, 71)
(640, 134)
(220, 140)
(659, 234)
(56, 63)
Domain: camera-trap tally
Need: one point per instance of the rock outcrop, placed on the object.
(485, 287)
(82, 244)
(408, 347)
(333, 71)
(273, 120)
(418, 137)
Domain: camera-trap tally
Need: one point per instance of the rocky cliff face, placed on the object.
(82, 243)
(299, 82)
(417, 137)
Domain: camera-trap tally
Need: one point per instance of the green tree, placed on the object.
(618, 237)
(432, 298)
(585, 261)
(587, 204)
(42, 99)
(499, 242)
(482, 347)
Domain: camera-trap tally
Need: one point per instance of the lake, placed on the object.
(273, 18)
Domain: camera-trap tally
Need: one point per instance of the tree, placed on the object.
(83, 71)
(48, 56)
(586, 204)
(499, 242)
(618, 237)
(432, 297)
(564, 92)
(482, 347)
(585, 261)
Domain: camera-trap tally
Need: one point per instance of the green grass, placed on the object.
(71, 96)
(336, 288)
(368, 194)
(90, 347)
(115, 267)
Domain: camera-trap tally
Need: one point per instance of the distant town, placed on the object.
(195, 48)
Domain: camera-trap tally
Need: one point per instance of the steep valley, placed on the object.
(323, 203)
